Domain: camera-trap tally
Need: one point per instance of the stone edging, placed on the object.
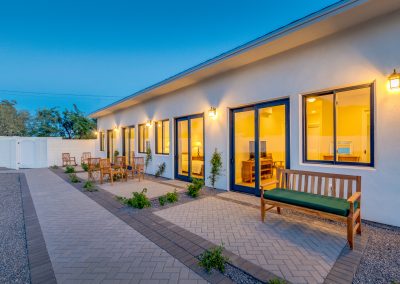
(41, 269)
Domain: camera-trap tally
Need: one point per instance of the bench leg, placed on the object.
(350, 232)
(262, 210)
(278, 209)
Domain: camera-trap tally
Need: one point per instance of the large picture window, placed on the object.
(144, 141)
(162, 137)
(338, 126)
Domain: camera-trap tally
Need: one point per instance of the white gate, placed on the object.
(32, 152)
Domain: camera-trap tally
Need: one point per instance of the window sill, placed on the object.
(352, 167)
(162, 155)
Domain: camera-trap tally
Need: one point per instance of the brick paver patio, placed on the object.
(290, 248)
(87, 243)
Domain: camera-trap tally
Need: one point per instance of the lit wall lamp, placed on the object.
(394, 81)
(148, 123)
(116, 129)
(212, 113)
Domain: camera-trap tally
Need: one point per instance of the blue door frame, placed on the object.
(188, 119)
(255, 108)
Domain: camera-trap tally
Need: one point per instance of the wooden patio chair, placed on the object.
(139, 166)
(67, 160)
(121, 166)
(93, 167)
(85, 157)
(107, 169)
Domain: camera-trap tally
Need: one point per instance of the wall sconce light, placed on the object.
(148, 123)
(96, 132)
(394, 80)
(212, 113)
(116, 129)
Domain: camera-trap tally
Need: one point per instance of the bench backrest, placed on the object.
(336, 185)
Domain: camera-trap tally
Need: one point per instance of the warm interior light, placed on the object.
(311, 100)
(116, 128)
(148, 123)
(394, 80)
(212, 112)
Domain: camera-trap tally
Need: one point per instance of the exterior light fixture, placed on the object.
(212, 113)
(116, 128)
(394, 81)
(311, 100)
(148, 123)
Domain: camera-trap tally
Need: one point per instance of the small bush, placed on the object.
(172, 196)
(73, 178)
(216, 167)
(138, 200)
(54, 167)
(213, 259)
(276, 281)
(69, 170)
(161, 169)
(85, 167)
(162, 200)
(89, 186)
(195, 187)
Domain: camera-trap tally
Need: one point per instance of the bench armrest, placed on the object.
(268, 183)
(356, 196)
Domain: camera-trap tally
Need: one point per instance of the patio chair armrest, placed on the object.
(356, 196)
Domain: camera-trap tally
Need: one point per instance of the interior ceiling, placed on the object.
(336, 19)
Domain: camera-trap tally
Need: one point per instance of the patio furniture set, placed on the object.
(102, 168)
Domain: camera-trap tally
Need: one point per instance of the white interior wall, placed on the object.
(364, 54)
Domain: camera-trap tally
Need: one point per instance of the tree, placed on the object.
(12, 122)
(75, 125)
(46, 123)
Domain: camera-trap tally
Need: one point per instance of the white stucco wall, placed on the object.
(364, 54)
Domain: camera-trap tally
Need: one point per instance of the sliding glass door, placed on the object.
(189, 147)
(128, 149)
(259, 144)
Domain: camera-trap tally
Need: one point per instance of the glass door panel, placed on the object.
(244, 148)
(110, 145)
(131, 144)
(272, 142)
(183, 147)
(196, 153)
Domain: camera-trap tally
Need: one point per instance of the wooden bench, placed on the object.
(332, 196)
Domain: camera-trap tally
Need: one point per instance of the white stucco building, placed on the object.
(312, 95)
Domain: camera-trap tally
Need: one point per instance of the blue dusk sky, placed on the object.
(91, 53)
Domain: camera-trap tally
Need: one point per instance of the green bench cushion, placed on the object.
(322, 203)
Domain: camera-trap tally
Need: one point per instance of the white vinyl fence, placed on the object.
(40, 152)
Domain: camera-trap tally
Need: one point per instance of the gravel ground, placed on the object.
(381, 260)
(13, 254)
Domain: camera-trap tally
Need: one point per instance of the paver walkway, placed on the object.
(87, 243)
(289, 248)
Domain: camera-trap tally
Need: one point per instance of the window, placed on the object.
(143, 140)
(338, 126)
(162, 137)
(102, 138)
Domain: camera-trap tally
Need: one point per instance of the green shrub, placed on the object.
(85, 167)
(172, 196)
(89, 186)
(216, 167)
(195, 187)
(213, 259)
(276, 281)
(69, 170)
(138, 200)
(73, 178)
(148, 158)
(161, 170)
(162, 200)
